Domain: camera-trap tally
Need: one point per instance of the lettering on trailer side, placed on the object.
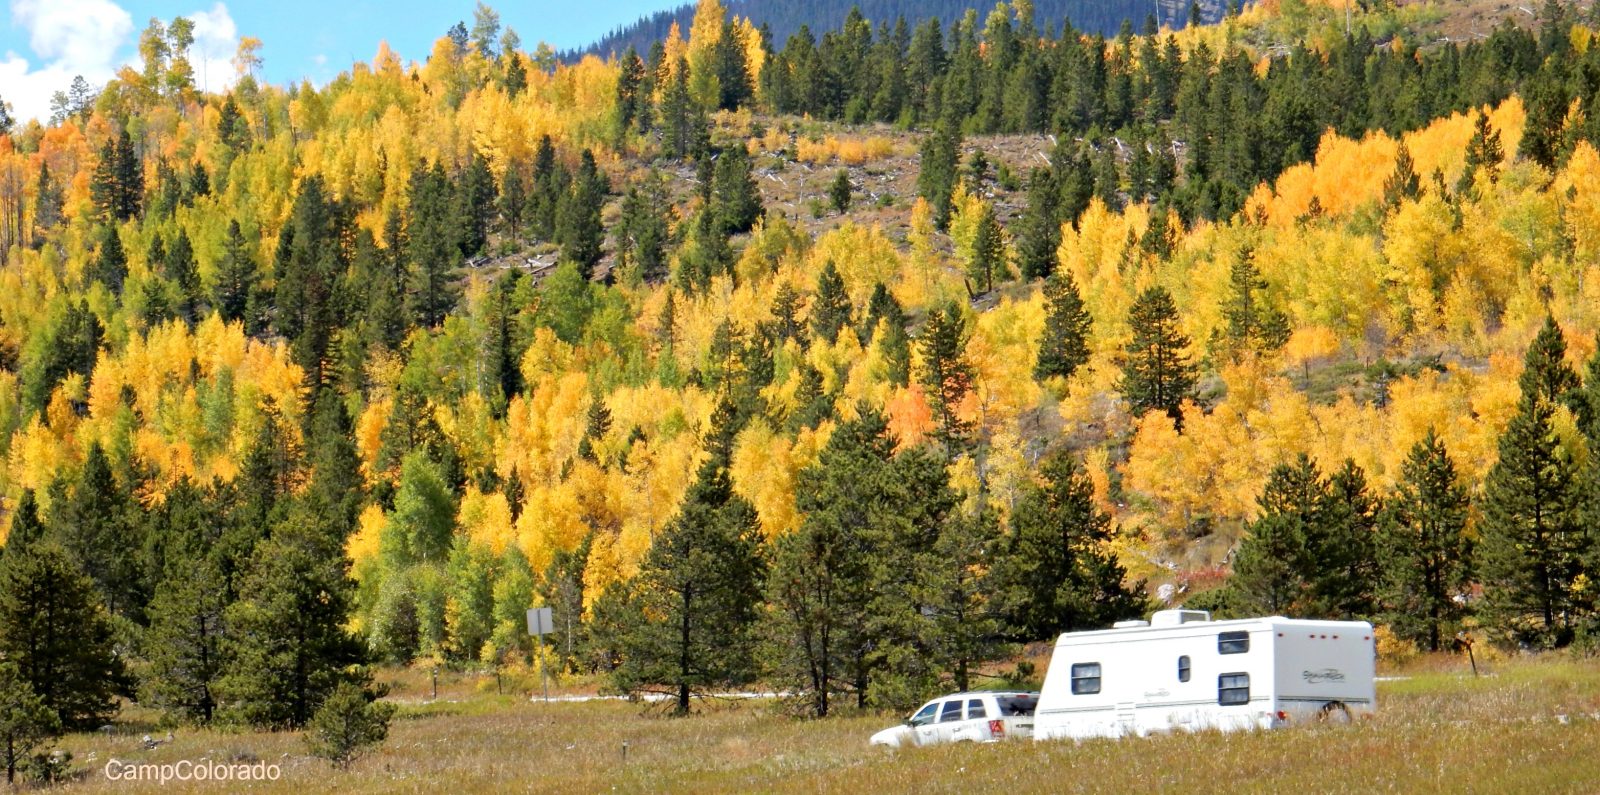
(1324, 675)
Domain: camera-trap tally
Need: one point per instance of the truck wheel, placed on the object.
(1334, 712)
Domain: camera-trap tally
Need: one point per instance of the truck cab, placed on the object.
(981, 717)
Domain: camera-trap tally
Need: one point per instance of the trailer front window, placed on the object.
(1183, 668)
(1233, 689)
(1085, 679)
(1233, 643)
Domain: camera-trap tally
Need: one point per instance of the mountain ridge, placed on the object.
(784, 17)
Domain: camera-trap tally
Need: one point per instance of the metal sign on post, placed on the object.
(539, 622)
(540, 625)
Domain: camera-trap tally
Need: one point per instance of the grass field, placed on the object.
(1529, 726)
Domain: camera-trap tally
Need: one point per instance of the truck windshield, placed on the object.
(1015, 705)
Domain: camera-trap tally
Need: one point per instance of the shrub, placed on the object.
(348, 724)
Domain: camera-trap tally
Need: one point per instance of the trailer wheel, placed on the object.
(1334, 712)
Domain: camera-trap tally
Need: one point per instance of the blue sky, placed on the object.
(46, 42)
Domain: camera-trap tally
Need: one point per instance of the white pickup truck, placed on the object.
(983, 717)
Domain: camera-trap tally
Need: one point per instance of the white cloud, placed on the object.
(83, 32)
(216, 41)
(94, 38)
(71, 37)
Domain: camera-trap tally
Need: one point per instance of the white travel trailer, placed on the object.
(1181, 671)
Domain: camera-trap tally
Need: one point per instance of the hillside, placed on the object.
(847, 365)
(784, 17)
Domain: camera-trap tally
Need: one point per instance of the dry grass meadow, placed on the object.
(1527, 726)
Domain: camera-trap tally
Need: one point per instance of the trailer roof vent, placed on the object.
(1131, 624)
(1172, 618)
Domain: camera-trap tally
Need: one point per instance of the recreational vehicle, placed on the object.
(1181, 671)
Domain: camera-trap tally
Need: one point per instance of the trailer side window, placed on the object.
(951, 712)
(1085, 679)
(1183, 668)
(1233, 643)
(1233, 689)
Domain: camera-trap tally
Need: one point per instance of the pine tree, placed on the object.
(786, 311)
(111, 263)
(1157, 374)
(1342, 551)
(830, 305)
(964, 620)
(48, 203)
(735, 200)
(1273, 570)
(233, 129)
(549, 184)
(96, 525)
(733, 75)
(1426, 549)
(337, 487)
(513, 202)
(26, 526)
(179, 266)
(1064, 346)
(475, 204)
(645, 230)
(1533, 538)
(578, 227)
(54, 628)
(906, 661)
(679, 118)
(350, 721)
(103, 183)
(129, 183)
(184, 644)
(1057, 571)
(1252, 323)
(516, 73)
(818, 586)
(946, 375)
(839, 192)
(288, 647)
(309, 264)
(988, 251)
(117, 185)
(432, 249)
(1483, 151)
(941, 152)
(700, 587)
(630, 85)
(1404, 184)
(1546, 377)
(1041, 227)
(236, 278)
(1586, 402)
(26, 723)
